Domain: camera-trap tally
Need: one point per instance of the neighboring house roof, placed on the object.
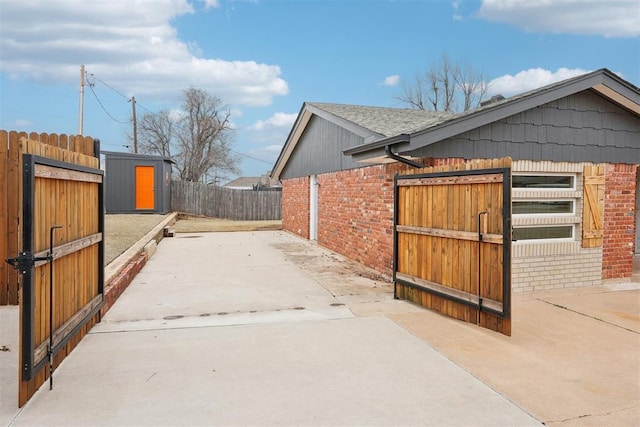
(249, 182)
(602, 81)
(408, 130)
(243, 182)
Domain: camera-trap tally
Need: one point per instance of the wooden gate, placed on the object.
(60, 261)
(452, 241)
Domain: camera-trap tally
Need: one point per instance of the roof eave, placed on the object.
(292, 139)
(304, 116)
(603, 81)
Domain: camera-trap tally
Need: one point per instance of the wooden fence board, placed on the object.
(4, 190)
(14, 195)
(219, 202)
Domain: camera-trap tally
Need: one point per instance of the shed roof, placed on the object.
(135, 156)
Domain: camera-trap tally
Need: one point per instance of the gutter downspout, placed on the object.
(394, 156)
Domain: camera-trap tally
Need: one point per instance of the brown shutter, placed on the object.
(593, 206)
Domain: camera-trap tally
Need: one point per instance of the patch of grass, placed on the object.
(193, 224)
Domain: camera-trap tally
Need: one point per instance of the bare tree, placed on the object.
(472, 86)
(155, 133)
(444, 87)
(199, 138)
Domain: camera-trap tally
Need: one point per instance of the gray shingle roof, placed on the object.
(384, 121)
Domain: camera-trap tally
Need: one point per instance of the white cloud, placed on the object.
(530, 79)
(130, 45)
(278, 120)
(210, 3)
(391, 80)
(21, 123)
(455, 5)
(612, 18)
(270, 135)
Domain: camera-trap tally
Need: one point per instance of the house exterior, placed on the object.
(575, 147)
(263, 182)
(137, 183)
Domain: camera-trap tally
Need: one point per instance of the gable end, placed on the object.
(583, 127)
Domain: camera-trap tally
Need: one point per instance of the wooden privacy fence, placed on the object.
(219, 202)
(52, 227)
(453, 241)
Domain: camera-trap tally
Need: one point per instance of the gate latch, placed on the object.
(26, 261)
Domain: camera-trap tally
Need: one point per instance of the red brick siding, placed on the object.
(119, 284)
(355, 211)
(295, 206)
(355, 214)
(619, 221)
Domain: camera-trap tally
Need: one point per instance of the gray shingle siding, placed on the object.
(575, 128)
(320, 150)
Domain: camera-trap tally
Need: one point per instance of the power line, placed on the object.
(104, 83)
(251, 157)
(91, 84)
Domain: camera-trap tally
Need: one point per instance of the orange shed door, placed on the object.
(145, 191)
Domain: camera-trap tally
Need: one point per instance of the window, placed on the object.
(566, 182)
(544, 206)
(536, 233)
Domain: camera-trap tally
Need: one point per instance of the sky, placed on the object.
(265, 58)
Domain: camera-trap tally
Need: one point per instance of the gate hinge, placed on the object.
(26, 261)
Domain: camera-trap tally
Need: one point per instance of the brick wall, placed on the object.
(619, 221)
(556, 270)
(355, 212)
(355, 215)
(295, 206)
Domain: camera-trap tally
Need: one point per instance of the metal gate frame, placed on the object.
(502, 309)
(35, 358)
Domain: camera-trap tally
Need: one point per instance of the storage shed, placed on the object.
(137, 183)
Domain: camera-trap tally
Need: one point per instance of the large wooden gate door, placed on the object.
(62, 289)
(452, 245)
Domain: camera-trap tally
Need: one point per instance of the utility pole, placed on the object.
(135, 125)
(81, 109)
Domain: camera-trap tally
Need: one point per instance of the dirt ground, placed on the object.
(123, 230)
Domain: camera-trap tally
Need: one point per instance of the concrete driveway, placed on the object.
(267, 329)
(238, 329)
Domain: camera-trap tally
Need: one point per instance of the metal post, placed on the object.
(81, 109)
(50, 258)
(481, 229)
(135, 125)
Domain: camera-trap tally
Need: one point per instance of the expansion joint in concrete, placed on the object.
(590, 317)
